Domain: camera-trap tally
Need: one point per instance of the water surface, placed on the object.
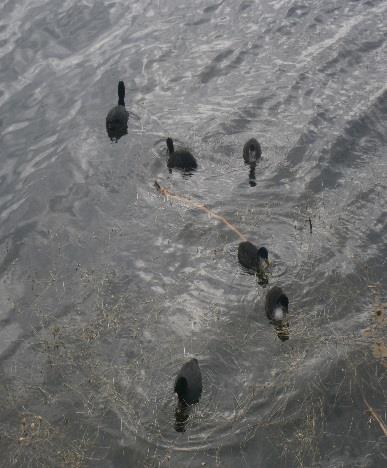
(107, 288)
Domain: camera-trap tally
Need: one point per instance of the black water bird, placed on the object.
(251, 151)
(252, 258)
(180, 159)
(188, 383)
(188, 386)
(117, 118)
(276, 305)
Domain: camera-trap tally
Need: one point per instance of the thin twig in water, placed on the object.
(199, 206)
(376, 417)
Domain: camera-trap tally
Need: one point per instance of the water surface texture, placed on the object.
(107, 288)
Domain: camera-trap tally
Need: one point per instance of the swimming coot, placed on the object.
(276, 305)
(251, 257)
(251, 151)
(117, 118)
(188, 383)
(181, 159)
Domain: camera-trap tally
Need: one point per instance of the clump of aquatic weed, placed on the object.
(67, 340)
(376, 332)
(66, 374)
(37, 443)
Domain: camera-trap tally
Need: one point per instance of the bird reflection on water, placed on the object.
(251, 154)
(252, 182)
(182, 413)
(282, 331)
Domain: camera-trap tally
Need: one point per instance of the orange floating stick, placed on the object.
(199, 206)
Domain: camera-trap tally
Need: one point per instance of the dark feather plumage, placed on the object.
(188, 383)
(276, 299)
(250, 257)
(251, 151)
(180, 159)
(117, 118)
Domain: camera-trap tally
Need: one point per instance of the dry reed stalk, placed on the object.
(376, 417)
(199, 206)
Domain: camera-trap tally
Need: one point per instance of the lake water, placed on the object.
(107, 288)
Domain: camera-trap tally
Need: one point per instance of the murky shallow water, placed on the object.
(107, 288)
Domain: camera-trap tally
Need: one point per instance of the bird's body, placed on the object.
(180, 159)
(252, 152)
(188, 383)
(117, 118)
(252, 258)
(276, 304)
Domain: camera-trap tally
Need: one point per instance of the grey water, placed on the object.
(107, 288)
